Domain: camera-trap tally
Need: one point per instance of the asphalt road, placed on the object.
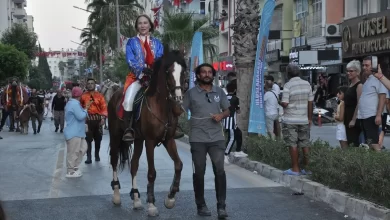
(33, 186)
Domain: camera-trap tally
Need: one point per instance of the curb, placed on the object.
(338, 200)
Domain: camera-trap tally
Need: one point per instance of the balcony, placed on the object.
(19, 13)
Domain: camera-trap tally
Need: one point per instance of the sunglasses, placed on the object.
(208, 98)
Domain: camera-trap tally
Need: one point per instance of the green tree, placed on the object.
(179, 29)
(121, 67)
(23, 40)
(44, 70)
(35, 78)
(12, 63)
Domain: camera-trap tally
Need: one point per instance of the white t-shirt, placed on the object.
(270, 103)
(276, 89)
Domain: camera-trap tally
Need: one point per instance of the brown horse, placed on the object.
(156, 125)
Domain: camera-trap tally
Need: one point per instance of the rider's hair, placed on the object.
(89, 79)
(198, 68)
(150, 22)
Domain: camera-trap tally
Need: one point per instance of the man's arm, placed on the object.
(285, 96)
(310, 105)
(53, 102)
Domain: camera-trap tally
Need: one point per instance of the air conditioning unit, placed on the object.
(332, 30)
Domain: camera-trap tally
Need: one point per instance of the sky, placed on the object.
(53, 21)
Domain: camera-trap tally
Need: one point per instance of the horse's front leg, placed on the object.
(152, 209)
(171, 147)
(134, 193)
(115, 184)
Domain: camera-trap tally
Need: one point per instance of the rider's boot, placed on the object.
(89, 151)
(198, 182)
(129, 133)
(220, 189)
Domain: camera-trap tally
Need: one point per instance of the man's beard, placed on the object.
(203, 82)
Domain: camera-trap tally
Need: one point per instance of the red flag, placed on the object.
(188, 1)
(176, 3)
(156, 9)
(149, 55)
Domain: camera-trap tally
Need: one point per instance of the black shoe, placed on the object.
(222, 214)
(1, 138)
(62, 130)
(56, 130)
(97, 158)
(89, 160)
(35, 132)
(203, 210)
(39, 130)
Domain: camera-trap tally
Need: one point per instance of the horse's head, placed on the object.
(174, 66)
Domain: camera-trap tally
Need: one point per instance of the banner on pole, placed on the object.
(196, 58)
(256, 112)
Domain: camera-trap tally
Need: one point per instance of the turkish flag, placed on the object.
(176, 3)
(188, 1)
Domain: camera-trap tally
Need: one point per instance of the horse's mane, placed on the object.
(158, 68)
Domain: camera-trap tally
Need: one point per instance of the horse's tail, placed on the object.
(124, 154)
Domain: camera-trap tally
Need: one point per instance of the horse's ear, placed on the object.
(182, 50)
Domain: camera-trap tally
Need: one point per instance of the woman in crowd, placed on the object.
(351, 98)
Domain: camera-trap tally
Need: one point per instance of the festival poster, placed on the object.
(196, 58)
(256, 113)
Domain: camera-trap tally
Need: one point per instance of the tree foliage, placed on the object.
(44, 70)
(23, 39)
(179, 29)
(12, 63)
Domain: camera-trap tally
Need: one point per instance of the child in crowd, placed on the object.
(339, 117)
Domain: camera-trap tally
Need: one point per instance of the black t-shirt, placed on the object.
(38, 102)
(58, 103)
(234, 104)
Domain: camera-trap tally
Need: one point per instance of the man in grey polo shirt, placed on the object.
(208, 105)
(370, 106)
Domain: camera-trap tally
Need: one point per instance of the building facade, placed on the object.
(30, 23)
(279, 43)
(12, 12)
(316, 37)
(365, 32)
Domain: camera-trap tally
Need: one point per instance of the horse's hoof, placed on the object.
(116, 199)
(152, 211)
(137, 204)
(169, 203)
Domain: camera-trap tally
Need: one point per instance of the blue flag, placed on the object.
(196, 59)
(256, 113)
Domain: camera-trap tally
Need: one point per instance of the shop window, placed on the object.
(301, 14)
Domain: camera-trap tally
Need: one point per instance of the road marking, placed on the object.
(54, 190)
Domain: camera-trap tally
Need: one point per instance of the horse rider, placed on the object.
(97, 113)
(13, 98)
(141, 52)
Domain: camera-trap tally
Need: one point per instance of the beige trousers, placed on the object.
(76, 148)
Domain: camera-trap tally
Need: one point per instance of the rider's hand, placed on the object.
(217, 117)
(147, 71)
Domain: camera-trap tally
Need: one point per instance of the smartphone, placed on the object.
(374, 64)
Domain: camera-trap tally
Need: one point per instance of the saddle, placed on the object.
(137, 105)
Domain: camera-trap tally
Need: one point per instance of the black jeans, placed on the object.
(95, 133)
(216, 151)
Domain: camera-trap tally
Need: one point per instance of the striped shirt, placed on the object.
(230, 122)
(297, 93)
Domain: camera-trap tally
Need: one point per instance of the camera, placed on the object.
(374, 64)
